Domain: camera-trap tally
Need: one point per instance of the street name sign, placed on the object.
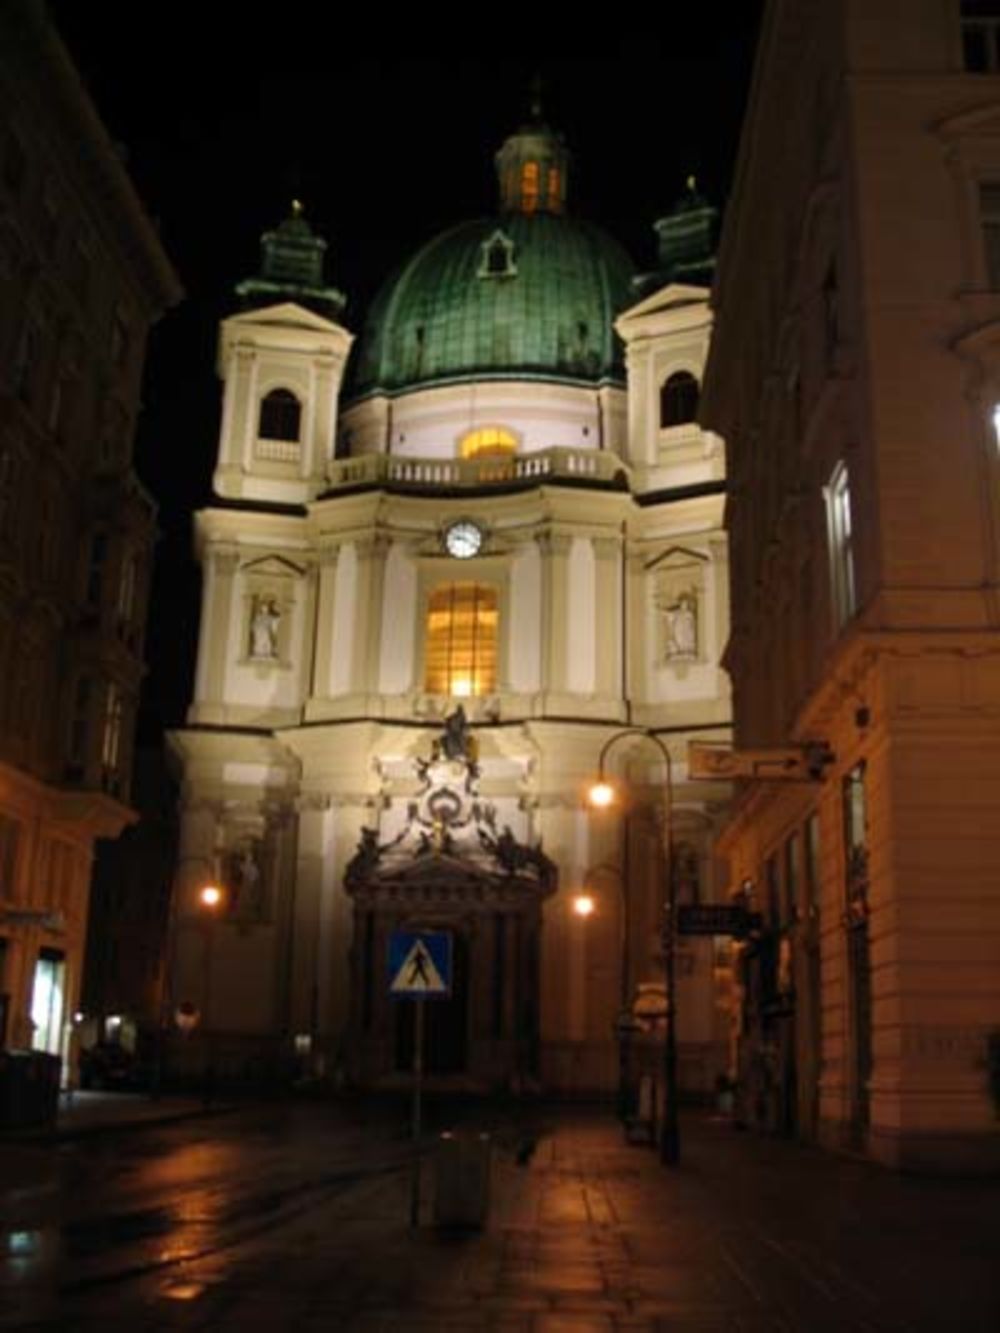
(713, 919)
(420, 964)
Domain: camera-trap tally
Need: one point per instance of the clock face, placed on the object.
(463, 539)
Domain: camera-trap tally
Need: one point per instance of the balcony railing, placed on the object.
(547, 465)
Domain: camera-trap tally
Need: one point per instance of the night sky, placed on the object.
(386, 145)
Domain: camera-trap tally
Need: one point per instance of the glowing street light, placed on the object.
(210, 896)
(602, 795)
(583, 905)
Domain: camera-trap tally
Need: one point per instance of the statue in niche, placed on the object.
(682, 628)
(264, 628)
(246, 880)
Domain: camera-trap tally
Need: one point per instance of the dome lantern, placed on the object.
(531, 168)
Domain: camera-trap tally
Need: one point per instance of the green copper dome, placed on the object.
(529, 294)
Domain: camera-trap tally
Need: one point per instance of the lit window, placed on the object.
(679, 400)
(47, 997)
(280, 416)
(554, 198)
(111, 742)
(529, 187)
(989, 221)
(838, 507)
(488, 442)
(461, 650)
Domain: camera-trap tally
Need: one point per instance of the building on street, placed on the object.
(82, 276)
(854, 374)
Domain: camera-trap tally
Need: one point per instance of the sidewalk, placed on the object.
(83, 1113)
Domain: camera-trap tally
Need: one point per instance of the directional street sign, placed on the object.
(420, 964)
(715, 919)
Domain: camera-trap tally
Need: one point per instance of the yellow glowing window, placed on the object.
(461, 654)
(529, 187)
(553, 190)
(488, 442)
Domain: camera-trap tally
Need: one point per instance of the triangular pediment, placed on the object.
(674, 296)
(286, 314)
(676, 557)
(273, 566)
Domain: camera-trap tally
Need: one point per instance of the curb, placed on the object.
(92, 1129)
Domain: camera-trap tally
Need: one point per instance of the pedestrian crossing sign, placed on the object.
(420, 964)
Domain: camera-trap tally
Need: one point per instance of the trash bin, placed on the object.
(29, 1088)
(462, 1165)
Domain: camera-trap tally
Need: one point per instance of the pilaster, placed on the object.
(555, 548)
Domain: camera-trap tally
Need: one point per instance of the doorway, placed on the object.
(48, 993)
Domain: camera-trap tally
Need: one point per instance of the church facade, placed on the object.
(430, 599)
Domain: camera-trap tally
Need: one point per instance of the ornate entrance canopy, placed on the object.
(451, 866)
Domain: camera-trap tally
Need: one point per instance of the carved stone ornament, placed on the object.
(447, 820)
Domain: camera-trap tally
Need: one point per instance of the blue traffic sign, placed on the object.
(420, 964)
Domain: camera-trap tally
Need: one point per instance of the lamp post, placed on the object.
(602, 794)
(209, 897)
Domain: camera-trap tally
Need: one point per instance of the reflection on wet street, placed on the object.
(137, 1208)
(297, 1218)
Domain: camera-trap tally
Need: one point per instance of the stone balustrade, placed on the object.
(547, 465)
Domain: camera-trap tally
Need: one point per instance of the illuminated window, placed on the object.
(838, 508)
(280, 416)
(554, 199)
(529, 187)
(488, 442)
(47, 997)
(679, 399)
(461, 648)
(111, 740)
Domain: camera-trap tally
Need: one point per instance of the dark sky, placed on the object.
(386, 145)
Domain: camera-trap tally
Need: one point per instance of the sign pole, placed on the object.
(418, 1076)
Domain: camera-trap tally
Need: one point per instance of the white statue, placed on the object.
(246, 877)
(264, 628)
(682, 627)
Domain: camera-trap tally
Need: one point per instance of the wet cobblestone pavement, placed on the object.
(299, 1221)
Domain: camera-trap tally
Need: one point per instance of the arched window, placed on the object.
(529, 187)
(679, 399)
(461, 645)
(280, 416)
(488, 442)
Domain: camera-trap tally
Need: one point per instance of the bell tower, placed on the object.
(281, 360)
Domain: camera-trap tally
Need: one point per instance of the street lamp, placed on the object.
(602, 795)
(209, 897)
